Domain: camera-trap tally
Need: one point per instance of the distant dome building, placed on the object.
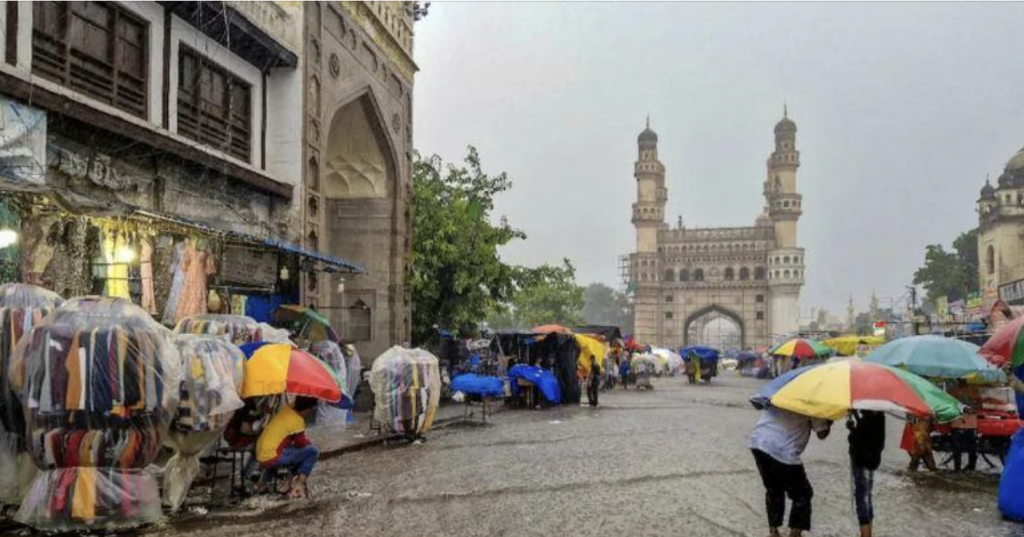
(1000, 230)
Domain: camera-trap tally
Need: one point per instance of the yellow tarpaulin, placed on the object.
(591, 350)
(847, 345)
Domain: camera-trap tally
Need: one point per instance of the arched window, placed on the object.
(698, 275)
(643, 277)
(744, 273)
(759, 273)
(785, 274)
(729, 274)
(990, 259)
(684, 275)
(785, 260)
(670, 275)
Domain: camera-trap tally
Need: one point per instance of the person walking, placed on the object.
(778, 440)
(867, 440)
(917, 443)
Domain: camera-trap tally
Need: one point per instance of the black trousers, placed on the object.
(965, 441)
(781, 480)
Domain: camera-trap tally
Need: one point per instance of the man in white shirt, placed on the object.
(778, 440)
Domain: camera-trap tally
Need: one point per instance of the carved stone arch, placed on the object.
(713, 309)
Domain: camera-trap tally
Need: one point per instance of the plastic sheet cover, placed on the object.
(211, 388)
(239, 328)
(100, 381)
(407, 387)
(22, 306)
(333, 414)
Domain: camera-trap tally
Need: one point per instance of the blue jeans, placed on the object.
(301, 459)
(863, 482)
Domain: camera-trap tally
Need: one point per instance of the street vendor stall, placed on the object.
(701, 363)
(100, 382)
(22, 306)
(211, 387)
(407, 387)
(238, 328)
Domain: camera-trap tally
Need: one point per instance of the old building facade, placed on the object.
(358, 155)
(686, 279)
(281, 127)
(1001, 235)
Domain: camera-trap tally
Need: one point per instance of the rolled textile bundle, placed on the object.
(407, 386)
(22, 306)
(99, 379)
(239, 328)
(211, 388)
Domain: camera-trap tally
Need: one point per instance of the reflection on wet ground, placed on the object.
(673, 461)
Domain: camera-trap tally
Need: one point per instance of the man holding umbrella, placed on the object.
(778, 440)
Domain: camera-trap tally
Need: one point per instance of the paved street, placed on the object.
(669, 462)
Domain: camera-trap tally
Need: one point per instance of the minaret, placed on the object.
(651, 194)
(786, 260)
(851, 317)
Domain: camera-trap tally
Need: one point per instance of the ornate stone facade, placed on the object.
(1000, 228)
(684, 279)
(358, 152)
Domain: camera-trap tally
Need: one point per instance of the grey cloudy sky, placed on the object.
(902, 109)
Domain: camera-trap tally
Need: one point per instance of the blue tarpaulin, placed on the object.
(481, 385)
(543, 379)
(706, 354)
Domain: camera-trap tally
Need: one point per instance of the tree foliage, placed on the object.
(603, 305)
(547, 294)
(952, 274)
(457, 276)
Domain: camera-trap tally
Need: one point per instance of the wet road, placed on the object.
(672, 461)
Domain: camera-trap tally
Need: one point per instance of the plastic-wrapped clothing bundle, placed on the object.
(22, 306)
(239, 328)
(333, 414)
(407, 387)
(211, 387)
(100, 381)
(275, 335)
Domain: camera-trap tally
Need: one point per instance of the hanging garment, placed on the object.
(198, 266)
(117, 269)
(177, 283)
(146, 272)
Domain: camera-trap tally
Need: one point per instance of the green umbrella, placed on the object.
(937, 357)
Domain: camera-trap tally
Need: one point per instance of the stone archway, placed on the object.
(714, 326)
(361, 191)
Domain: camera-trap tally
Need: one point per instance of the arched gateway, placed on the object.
(728, 287)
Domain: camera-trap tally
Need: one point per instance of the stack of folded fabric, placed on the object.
(238, 328)
(100, 381)
(407, 387)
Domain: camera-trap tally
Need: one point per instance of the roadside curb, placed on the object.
(383, 438)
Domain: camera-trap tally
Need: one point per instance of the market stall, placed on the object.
(407, 387)
(239, 329)
(100, 382)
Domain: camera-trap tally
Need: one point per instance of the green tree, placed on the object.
(457, 276)
(547, 294)
(951, 274)
(605, 306)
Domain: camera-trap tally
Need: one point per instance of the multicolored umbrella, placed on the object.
(801, 348)
(278, 368)
(830, 391)
(937, 357)
(310, 324)
(1006, 345)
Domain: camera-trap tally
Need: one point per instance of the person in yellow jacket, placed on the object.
(283, 443)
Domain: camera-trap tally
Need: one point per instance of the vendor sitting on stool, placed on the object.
(283, 444)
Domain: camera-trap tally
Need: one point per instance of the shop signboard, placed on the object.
(22, 145)
(247, 266)
(974, 303)
(942, 309)
(1012, 293)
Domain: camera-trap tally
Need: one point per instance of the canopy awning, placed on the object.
(331, 263)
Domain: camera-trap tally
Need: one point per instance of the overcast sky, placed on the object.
(902, 110)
